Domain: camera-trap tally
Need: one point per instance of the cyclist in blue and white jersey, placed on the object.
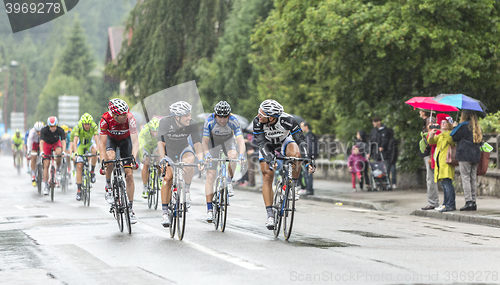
(221, 131)
(275, 130)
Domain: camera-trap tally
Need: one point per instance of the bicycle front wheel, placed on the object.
(52, 182)
(83, 191)
(181, 213)
(173, 205)
(87, 189)
(156, 189)
(216, 205)
(289, 209)
(223, 206)
(277, 207)
(118, 206)
(39, 173)
(126, 210)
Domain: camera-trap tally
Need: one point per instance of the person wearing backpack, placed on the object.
(313, 150)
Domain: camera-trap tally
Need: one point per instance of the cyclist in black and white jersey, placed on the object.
(173, 134)
(275, 130)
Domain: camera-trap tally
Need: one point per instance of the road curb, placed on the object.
(450, 216)
(348, 202)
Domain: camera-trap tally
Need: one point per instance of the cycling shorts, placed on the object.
(48, 148)
(281, 147)
(125, 149)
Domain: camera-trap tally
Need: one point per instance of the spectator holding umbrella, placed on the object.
(444, 172)
(468, 136)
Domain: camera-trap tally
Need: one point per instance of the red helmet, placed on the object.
(52, 121)
(118, 106)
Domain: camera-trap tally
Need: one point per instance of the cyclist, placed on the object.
(33, 147)
(148, 143)
(119, 130)
(52, 138)
(173, 135)
(275, 130)
(84, 139)
(219, 132)
(17, 146)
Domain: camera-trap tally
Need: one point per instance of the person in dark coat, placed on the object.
(313, 150)
(379, 141)
(468, 136)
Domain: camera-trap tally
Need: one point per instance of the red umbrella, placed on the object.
(427, 103)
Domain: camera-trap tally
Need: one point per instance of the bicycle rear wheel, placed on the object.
(277, 207)
(289, 209)
(223, 206)
(181, 212)
(18, 163)
(216, 205)
(64, 176)
(118, 206)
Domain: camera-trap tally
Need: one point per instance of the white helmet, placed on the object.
(118, 106)
(222, 109)
(180, 108)
(271, 108)
(38, 126)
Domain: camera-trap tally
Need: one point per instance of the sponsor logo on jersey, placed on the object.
(118, 132)
(103, 123)
(286, 123)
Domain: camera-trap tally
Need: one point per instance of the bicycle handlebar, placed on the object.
(118, 159)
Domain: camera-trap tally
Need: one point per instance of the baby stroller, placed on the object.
(379, 177)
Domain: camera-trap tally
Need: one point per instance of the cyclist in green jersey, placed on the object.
(17, 146)
(149, 144)
(84, 140)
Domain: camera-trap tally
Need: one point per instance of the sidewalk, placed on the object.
(405, 202)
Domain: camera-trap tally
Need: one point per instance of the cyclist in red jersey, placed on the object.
(119, 130)
(52, 138)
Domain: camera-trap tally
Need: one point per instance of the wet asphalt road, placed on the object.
(64, 242)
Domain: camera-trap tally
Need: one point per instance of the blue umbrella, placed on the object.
(460, 101)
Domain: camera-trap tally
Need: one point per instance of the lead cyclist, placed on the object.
(275, 130)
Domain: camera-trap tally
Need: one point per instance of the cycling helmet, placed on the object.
(271, 108)
(18, 132)
(117, 106)
(38, 126)
(65, 128)
(154, 124)
(86, 119)
(180, 108)
(222, 109)
(52, 121)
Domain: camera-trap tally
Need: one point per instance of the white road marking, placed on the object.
(226, 257)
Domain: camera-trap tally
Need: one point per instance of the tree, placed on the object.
(49, 98)
(76, 59)
(231, 76)
(369, 57)
(168, 37)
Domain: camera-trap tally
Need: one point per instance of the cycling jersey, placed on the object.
(175, 137)
(271, 137)
(33, 140)
(85, 137)
(219, 134)
(50, 137)
(115, 130)
(17, 142)
(146, 140)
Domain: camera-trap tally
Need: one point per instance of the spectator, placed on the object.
(427, 153)
(357, 163)
(379, 141)
(313, 151)
(362, 145)
(424, 114)
(444, 172)
(468, 136)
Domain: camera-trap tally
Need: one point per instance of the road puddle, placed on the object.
(367, 234)
(320, 243)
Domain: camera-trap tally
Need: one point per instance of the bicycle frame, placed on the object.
(86, 183)
(153, 181)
